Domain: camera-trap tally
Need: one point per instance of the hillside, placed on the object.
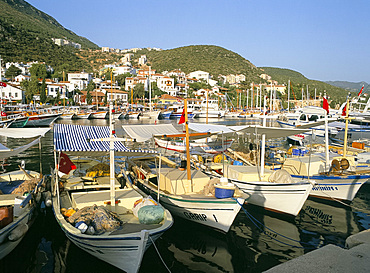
(299, 81)
(351, 86)
(213, 59)
(23, 15)
(25, 35)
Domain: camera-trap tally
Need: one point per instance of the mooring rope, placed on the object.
(156, 249)
(254, 220)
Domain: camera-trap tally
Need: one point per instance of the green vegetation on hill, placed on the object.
(25, 35)
(298, 81)
(22, 15)
(213, 59)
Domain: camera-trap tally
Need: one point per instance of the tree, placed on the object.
(88, 97)
(43, 92)
(121, 78)
(139, 91)
(155, 90)
(12, 72)
(38, 71)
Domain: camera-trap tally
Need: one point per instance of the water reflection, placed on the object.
(187, 247)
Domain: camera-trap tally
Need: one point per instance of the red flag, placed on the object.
(182, 118)
(65, 164)
(325, 105)
(3, 114)
(344, 111)
(2, 84)
(362, 89)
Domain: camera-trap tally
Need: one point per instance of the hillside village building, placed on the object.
(11, 93)
(79, 80)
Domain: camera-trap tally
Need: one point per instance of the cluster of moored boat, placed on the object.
(116, 210)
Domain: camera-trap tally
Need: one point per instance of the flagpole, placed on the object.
(326, 107)
(187, 142)
(346, 131)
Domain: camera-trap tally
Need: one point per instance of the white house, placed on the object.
(142, 60)
(11, 93)
(55, 88)
(200, 75)
(166, 83)
(116, 95)
(79, 80)
(118, 70)
(131, 82)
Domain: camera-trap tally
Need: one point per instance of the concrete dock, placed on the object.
(355, 257)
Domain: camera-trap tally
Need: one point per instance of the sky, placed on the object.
(326, 40)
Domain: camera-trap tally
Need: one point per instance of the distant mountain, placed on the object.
(26, 35)
(351, 86)
(213, 59)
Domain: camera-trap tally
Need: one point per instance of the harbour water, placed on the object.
(257, 240)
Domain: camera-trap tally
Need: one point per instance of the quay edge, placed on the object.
(330, 258)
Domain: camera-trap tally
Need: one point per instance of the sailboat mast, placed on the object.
(288, 93)
(346, 130)
(150, 91)
(111, 157)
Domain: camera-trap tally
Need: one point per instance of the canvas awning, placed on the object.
(23, 132)
(142, 133)
(6, 152)
(212, 128)
(272, 132)
(77, 140)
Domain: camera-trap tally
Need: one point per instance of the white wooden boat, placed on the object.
(67, 116)
(124, 246)
(17, 210)
(282, 197)
(184, 198)
(82, 115)
(133, 115)
(339, 181)
(99, 115)
(187, 193)
(151, 114)
(41, 120)
(21, 210)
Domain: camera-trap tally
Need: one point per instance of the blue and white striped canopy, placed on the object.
(76, 140)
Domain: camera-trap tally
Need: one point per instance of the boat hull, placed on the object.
(211, 212)
(41, 120)
(340, 188)
(278, 197)
(25, 219)
(99, 115)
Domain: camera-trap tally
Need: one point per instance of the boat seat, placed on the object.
(126, 198)
(131, 228)
(7, 199)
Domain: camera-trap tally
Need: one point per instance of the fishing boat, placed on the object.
(265, 188)
(41, 120)
(185, 192)
(17, 192)
(165, 114)
(337, 178)
(99, 115)
(124, 244)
